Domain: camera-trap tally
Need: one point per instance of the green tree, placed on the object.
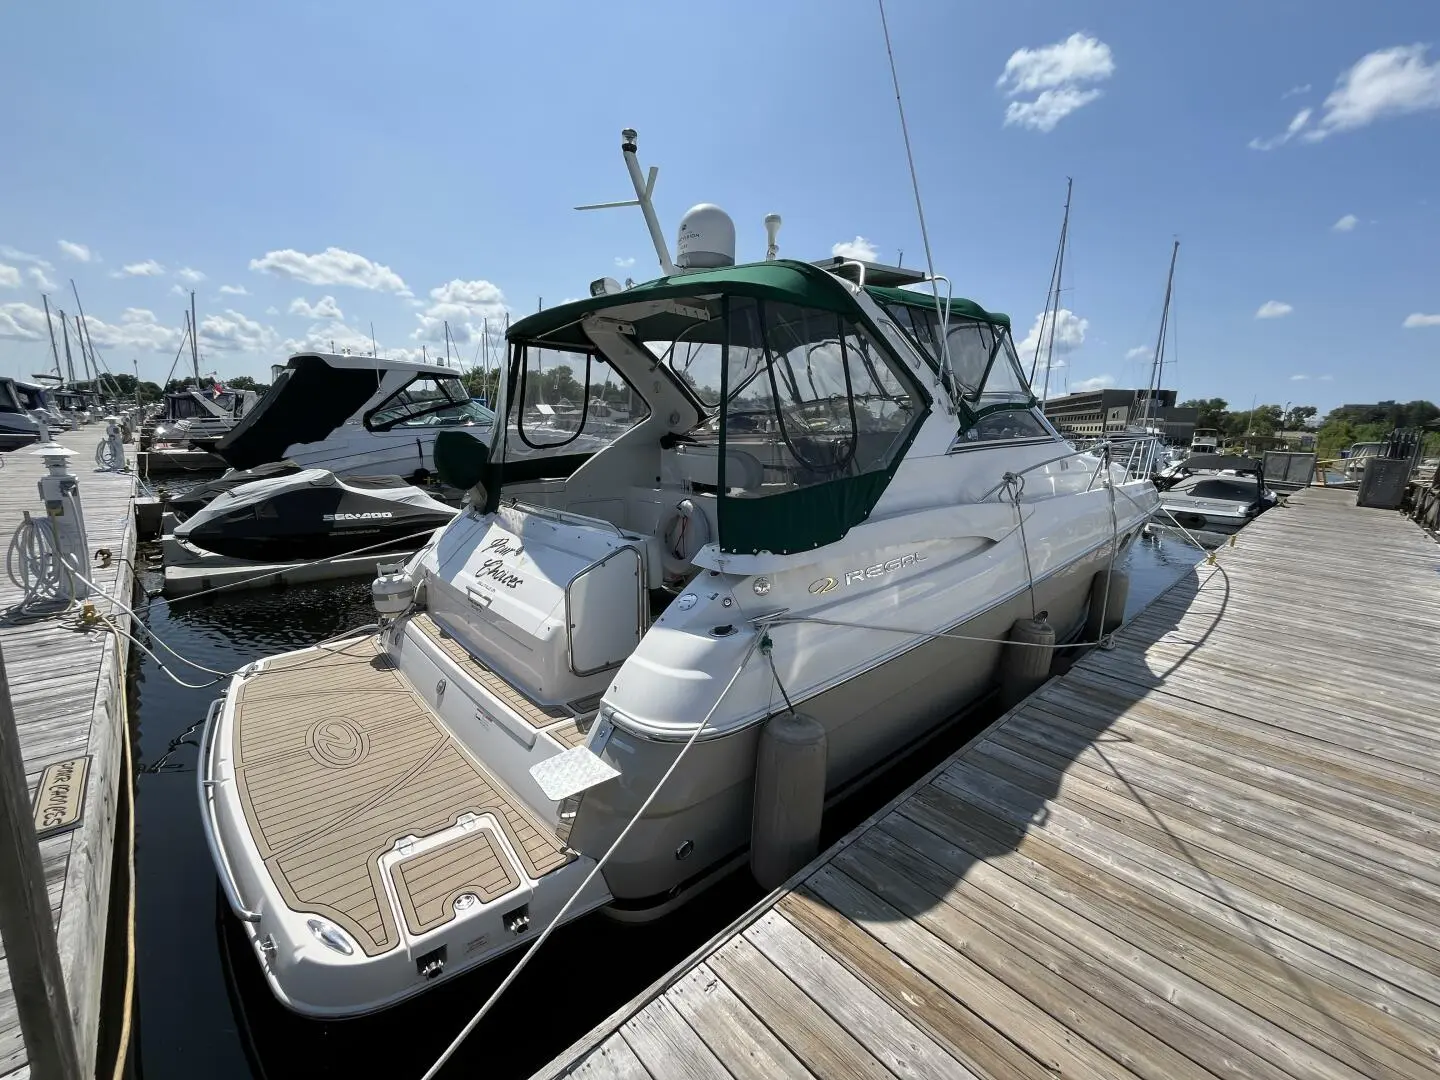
(1297, 416)
(1211, 411)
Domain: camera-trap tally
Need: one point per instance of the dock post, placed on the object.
(26, 925)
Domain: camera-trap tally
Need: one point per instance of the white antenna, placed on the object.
(948, 377)
(644, 188)
(772, 230)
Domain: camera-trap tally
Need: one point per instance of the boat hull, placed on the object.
(704, 811)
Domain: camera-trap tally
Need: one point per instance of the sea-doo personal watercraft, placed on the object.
(817, 474)
(312, 514)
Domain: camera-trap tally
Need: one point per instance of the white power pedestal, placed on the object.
(64, 516)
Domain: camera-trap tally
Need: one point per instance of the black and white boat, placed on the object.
(313, 514)
(1215, 494)
(17, 427)
(354, 414)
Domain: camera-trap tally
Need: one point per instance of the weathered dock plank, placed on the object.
(1209, 851)
(67, 684)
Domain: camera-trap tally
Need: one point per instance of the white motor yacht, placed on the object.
(199, 418)
(820, 474)
(354, 415)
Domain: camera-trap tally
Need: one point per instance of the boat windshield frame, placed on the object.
(805, 500)
(407, 419)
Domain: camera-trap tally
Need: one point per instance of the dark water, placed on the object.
(200, 1016)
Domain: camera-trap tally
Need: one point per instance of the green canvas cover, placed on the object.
(781, 280)
(967, 309)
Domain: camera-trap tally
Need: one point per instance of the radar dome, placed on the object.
(707, 239)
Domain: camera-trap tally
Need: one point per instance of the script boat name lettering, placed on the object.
(495, 570)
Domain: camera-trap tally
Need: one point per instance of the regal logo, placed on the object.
(821, 586)
(337, 742)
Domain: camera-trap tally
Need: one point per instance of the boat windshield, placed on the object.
(31, 397)
(566, 401)
(8, 402)
(982, 352)
(808, 414)
(429, 401)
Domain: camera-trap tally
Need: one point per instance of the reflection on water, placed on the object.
(199, 1016)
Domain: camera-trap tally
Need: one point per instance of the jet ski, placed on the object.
(197, 498)
(313, 514)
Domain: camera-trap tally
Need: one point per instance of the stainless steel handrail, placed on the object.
(207, 816)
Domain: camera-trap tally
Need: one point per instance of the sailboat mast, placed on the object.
(1059, 276)
(65, 337)
(194, 341)
(84, 356)
(1157, 364)
(54, 349)
(87, 341)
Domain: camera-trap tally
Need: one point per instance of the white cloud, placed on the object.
(16, 255)
(186, 273)
(9, 277)
(1300, 119)
(859, 248)
(1346, 223)
(324, 308)
(1417, 320)
(1069, 333)
(271, 310)
(21, 322)
(1387, 82)
(1298, 378)
(234, 332)
(148, 268)
(465, 305)
(1139, 352)
(329, 337)
(234, 290)
(333, 266)
(1055, 74)
(137, 328)
(179, 290)
(1079, 58)
(1099, 382)
(624, 264)
(41, 279)
(1048, 109)
(78, 252)
(1295, 91)
(1327, 378)
(1273, 309)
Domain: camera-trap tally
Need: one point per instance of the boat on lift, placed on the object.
(313, 514)
(200, 418)
(1213, 496)
(1205, 441)
(354, 414)
(826, 470)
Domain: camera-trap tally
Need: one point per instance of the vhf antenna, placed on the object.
(644, 188)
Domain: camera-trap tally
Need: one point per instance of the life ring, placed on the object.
(686, 530)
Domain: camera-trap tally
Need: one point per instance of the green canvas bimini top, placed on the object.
(781, 280)
(925, 301)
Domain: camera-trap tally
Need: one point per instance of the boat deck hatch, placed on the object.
(336, 762)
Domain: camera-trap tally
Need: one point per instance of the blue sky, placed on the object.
(345, 163)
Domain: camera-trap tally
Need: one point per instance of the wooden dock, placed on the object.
(67, 684)
(1213, 850)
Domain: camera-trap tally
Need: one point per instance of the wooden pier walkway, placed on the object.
(67, 684)
(1211, 851)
